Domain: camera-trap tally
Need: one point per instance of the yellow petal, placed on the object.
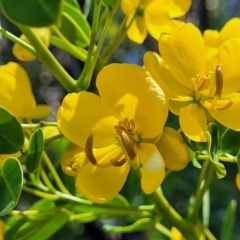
(174, 8)
(173, 149)
(230, 30)
(129, 6)
(83, 114)
(211, 38)
(15, 91)
(134, 97)
(137, 32)
(153, 169)
(229, 53)
(22, 54)
(178, 49)
(158, 21)
(193, 122)
(175, 105)
(41, 111)
(230, 117)
(102, 184)
(170, 85)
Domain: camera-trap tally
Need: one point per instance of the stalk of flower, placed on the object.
(203, 87)
(152, 16)
(118, 130)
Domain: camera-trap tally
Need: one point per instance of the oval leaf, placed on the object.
(230, 141)
(36, 147)
(11, 133)
(35, 13)
(11, 180)
(75, 26)
(45, 225)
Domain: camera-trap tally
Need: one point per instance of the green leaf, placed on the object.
(11, 133)
(230, 141)
(11, 180)
(193, 159)
(139, 225)
(36, 147)
(44, 225)
(75, 26)
(109, 3)
(31, 13)
(80, 53)
(228, 221)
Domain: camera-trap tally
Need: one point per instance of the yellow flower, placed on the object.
(214, 38)
(22, 54)
(202, 88)
(153, 16)
(118, 130)
(16, 93)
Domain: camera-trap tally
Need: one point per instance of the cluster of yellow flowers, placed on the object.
(124, 126)
(195, 77)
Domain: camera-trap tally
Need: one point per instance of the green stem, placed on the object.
(49, 140)
(220, 158)
(40, 194)
(46, 57)
(70, 45)
(189, 230)
(115, 42)
(99, 48)
(82, 82)
(54, 173)
(17, 40)
(38, 125)
(203, 185)
(163, 230)
(47, 182)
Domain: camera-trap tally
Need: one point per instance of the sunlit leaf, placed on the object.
(11, 133)
(36, 147)
(35, 13)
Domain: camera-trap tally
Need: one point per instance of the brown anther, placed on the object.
(118, 163)
(126, 121)
(219, 82)
(89, 150)
(128, 145)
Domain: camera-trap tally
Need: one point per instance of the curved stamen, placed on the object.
(89, 150)
(226, 106)
(127, 145)
(90, 156)
(219, 86)
(219, 82)
(118, 163)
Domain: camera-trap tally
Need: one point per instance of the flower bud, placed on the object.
(237, 180)
(24, 55)
(173, 149)
(72, 159)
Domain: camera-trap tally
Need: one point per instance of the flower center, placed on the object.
(126, 137)
(202, 89)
